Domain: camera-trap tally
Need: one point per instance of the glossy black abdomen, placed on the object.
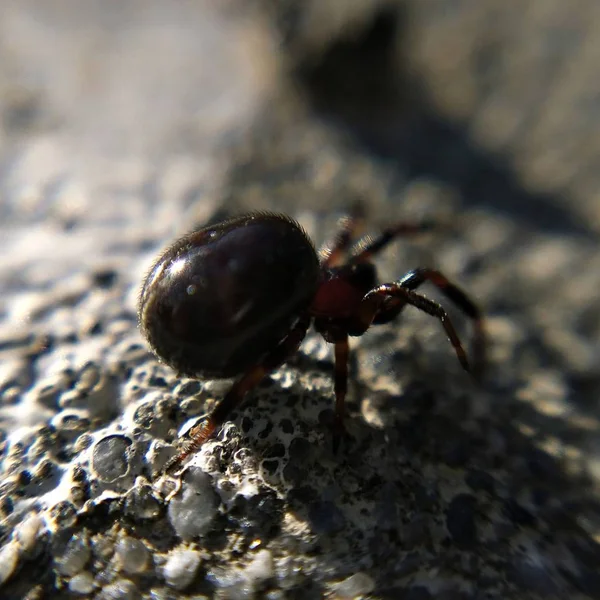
(223, 296)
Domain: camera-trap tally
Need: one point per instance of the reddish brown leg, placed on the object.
(368, 249)
(202, 432)
(373, 301)
(332, 253)
(413, 279)
(342, 352)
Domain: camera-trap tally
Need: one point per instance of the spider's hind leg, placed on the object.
(205, 430)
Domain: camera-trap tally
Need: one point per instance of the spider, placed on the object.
(235, 299)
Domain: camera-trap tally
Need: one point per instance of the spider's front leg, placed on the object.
(384, 303)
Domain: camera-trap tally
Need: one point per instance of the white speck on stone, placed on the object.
(9, 558)
(248, 488)
(121, 589)
(261, 568)
(131, 555)
(82, 583)
(358, 584)
(75, 556)
(229, 579)
(181, 567)
(27, 532)
(193, 509)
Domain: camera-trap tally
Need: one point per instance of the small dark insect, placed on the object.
(236, 299)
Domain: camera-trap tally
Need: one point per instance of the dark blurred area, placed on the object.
(363, 84)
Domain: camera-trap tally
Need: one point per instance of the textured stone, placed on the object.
(180, 568)
(193, 509)
(420, 109)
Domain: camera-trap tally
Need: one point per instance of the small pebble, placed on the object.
(110, 457)
(102, 547)
(193, 509)
(82, 583)
(356, 585)
(101, 398)
(64, 515)
(122, 589)
(261, 567)
(132, 555)
(141, 503)
(181, 567)
(187, 389)
(191, 407)
(75, 556)
(9, 558)
(89, 377)
(27, 532)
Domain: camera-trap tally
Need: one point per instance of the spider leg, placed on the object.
(412, 280)
(341, 387)
(332, 252)
(372, 303)
(202, 432)
(366, 249)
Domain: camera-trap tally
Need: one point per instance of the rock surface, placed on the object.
(123, 128)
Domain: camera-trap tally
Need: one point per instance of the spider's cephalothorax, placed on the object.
(235, 299)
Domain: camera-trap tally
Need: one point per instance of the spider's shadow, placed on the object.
(357, 83)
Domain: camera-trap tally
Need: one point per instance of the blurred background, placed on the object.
(496, 100)
(124, 124)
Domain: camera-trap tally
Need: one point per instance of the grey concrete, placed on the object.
(126, 124)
